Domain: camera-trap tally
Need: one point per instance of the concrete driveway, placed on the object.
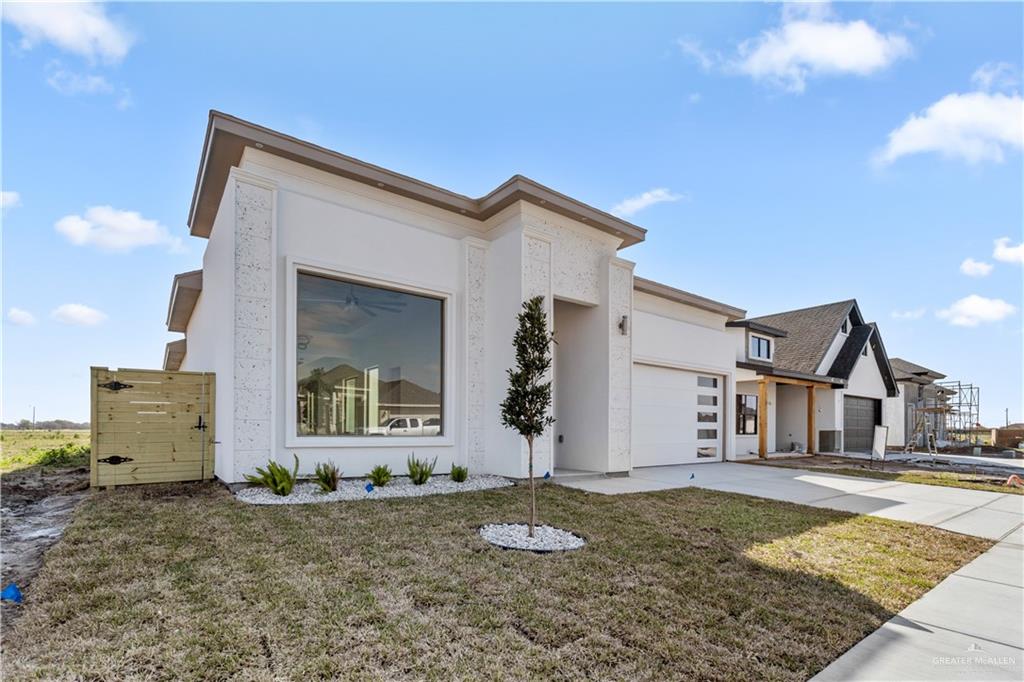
(969, 627)
(971, 512)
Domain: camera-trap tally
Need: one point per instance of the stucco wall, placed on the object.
(791, 413)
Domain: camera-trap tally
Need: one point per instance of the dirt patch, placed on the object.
(985, 451)
(37, 504)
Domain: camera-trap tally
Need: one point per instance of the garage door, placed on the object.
(677, 416)
(860, 415)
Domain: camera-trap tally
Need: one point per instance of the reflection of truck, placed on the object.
(409, 426)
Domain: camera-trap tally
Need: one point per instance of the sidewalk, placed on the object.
(969, 627)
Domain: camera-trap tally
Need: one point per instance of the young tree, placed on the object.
(525, 408)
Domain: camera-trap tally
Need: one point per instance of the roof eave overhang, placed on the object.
(759, 327)
(185, 292)
(767, 370)
(228, 136)
(174, 353)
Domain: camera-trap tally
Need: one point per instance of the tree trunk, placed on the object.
(533, 489)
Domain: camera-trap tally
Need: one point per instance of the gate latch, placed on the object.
(201, 425)
(115, 460)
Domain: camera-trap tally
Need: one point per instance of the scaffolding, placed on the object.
(963, 410)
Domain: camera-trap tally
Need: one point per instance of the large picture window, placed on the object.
(369, 360)
(746, 415)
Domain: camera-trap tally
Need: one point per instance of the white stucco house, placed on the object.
(354, 314)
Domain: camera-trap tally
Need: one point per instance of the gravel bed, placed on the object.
(545, 538)
(310, 493)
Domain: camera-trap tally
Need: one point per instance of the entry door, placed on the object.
(860, 415)
(677, 416)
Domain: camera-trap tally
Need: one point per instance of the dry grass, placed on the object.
(182, 582)
(898, 471)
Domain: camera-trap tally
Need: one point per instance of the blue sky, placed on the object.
(780, 157)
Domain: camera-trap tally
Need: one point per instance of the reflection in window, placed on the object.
(368, 360)
(710, 400)
(760, 348)
(707, 382)
(707, 434)
(746, 415)
(707, 452)
(707, 417)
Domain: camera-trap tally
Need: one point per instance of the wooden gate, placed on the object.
(151, 426)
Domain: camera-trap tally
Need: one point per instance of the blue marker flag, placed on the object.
(547, 474)
(693, 476)
(369, 487)
(11, 593)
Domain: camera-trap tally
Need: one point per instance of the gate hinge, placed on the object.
(115, 460)
(115, 385)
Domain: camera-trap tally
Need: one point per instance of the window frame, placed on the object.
(751, 339)
(449, 427)
(740, 421)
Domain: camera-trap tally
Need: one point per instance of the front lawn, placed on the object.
(183, 582)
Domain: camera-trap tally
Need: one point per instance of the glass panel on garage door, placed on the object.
(677, 416)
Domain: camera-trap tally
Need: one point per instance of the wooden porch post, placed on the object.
(810, 420)
(762, 417)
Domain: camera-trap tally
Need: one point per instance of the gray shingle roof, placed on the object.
(904, 370)
(810, 332)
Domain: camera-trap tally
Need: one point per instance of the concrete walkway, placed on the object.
(969, 627)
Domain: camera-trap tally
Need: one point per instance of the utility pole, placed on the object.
(33, 416)
(1007, 415)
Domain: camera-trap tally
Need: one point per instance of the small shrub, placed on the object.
(276, 477)
(419, 471)
(327, 476)
(65, 456)
(459, 474)
(380, 475)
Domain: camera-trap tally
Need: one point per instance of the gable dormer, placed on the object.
(758, 341)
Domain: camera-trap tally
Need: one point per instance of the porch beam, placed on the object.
(811, 449)
(762, 417)
(796, 382)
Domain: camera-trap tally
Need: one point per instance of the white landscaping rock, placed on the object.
(545, 538)
(310, 493)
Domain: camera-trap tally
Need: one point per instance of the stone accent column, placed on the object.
(537, 282)
(475, 298)
(620, 364)
(253, 327)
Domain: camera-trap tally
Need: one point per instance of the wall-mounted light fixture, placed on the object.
(624, 325)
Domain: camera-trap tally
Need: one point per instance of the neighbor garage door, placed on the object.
(860, 415)
(677, 416)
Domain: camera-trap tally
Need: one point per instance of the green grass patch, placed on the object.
(183, 582)
(20, 449)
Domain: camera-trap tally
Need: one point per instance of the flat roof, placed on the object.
(227, 137)
(649, 286)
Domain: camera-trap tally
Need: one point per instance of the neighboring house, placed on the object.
(920, 398)
(823, 373)
(338, 299)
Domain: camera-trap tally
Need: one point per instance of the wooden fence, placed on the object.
(151, 426)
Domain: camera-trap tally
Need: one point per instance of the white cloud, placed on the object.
(110, 229)
(71, 83)
(633, 205)
(1006, 253)
(9, 199)
(695, 97)
(975, 268)
(996, 76)
(809, 42)
(692, 48)
(974, 310)
(975, 127)
(82, 28)
(22, 318)
(76, 313)
(915, 314)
